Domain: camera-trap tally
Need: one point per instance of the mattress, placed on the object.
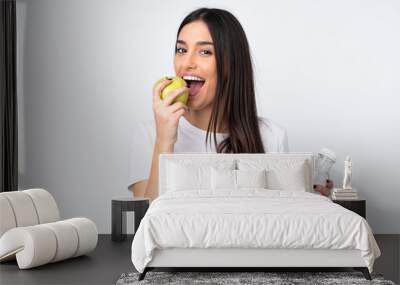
(250, 219)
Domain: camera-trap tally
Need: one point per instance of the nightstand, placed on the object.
(119, 207)
(357, 206)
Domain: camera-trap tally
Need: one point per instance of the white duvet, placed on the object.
(251, 218)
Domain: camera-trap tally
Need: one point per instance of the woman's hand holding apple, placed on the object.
(167, 115)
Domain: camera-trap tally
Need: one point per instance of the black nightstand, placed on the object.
(119, 207)
(357, 206)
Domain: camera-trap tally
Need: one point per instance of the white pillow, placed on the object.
(282, 174)
(288, 178)
(185, 177)
(188, 175)
(223, 179)
(251, 178)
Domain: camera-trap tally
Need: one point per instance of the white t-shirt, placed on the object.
(191, 139)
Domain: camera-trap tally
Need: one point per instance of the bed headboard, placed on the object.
(165, 158)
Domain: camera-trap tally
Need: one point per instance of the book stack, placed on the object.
(344, 194)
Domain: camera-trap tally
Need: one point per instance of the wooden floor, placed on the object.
(111, 259)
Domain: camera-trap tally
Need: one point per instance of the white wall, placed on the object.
(326, 70)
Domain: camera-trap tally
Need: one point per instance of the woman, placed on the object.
(211, 47)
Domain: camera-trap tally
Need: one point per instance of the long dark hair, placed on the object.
(234, 102)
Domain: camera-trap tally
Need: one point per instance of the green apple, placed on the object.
(177, 82)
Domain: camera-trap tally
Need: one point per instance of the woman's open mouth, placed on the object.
(194, 86)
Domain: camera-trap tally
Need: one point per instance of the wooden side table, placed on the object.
(119, 207)
(357, 206)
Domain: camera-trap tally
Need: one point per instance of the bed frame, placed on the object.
(249, 259)
(244, 259)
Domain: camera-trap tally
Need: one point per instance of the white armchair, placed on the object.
(32, 233)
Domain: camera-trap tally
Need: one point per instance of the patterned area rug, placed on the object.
(229, 278)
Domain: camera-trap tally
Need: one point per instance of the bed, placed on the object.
(247, 210)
